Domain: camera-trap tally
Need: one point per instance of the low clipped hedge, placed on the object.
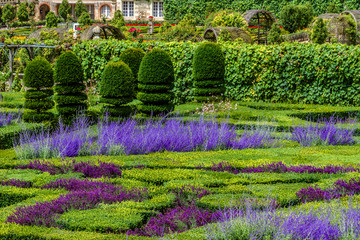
(156, 77)
(117, 88)
(208, 71)
(69, 80)
(133, 57)
(38, 78)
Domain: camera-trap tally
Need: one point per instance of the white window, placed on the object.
(158, 8)
(105, 11)
(128, 9)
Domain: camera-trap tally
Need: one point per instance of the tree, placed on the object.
(51, 20)
(274, 34)
(79, 8)
(38, 79)
(295, 17)
(208, 71)
(319, 33)
(156, 80)
(85, 19)
(69, 79)
(8, 13)
(117, 88)
(64, 9)
(118, 19)
(22, 12)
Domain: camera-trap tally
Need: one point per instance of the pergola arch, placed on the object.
(106, 31)
(355, 15)
(261, 21)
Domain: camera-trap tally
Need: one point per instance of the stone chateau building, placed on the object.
(131, 9)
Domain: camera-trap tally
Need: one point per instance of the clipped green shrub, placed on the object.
(274, 34)
(156, 79)
(118, 19)
(84, 19)
(38, 78)
(69, 86)
(117, 88)
(133, 57)
(295, 17)
(208, 71)
(51, 20)
(320, 32)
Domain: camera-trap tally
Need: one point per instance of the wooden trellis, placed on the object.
(11, 50)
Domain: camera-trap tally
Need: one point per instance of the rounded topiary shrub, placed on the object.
(133, 57)
(117, 88)
(156, 80)
(69, 86)
(38, 79)
(208, 71)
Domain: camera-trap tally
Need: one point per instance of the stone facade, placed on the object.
(132, 10)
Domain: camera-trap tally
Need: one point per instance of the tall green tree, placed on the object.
(319, 33)
(8, 14)
(22, 12)
(64, 9)
(80, 8)
(51, 20)
(118, 19)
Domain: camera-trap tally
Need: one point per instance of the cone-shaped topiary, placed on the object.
(69, 86)
(38, 78)
(156, 80)
(133, 57)
(117, 88)
(208, 71)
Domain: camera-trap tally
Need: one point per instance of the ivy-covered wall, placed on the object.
(175, 9)
(292, 73)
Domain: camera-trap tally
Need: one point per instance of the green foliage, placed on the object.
(101, 220)
(156, 69)
(117, 87)
(8, 13)
(64, 9)
(133, 57)
(320, 32)
(22, 12)
(295, 17)
(228, 19)
(39, 78)
(348, 24)
(51, 20)
(118, 19)
(85, 19)
(69, 80)
(12, 195)
(184, 31)
(274, 36)
(164, 27)
(188, 20)
(79, 8)
(209, 70)
(332, 8)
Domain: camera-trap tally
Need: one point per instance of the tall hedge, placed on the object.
(208, 71)
(117, 88)
(133, 57)
(38, 79)
(69, 86)
(156, 80)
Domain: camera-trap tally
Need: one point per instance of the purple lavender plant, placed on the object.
(83, 195)
(7, 118)
(327, 133)
(16, 183)
(89, 170)
(279, 167)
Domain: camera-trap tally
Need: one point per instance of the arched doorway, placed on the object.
(44, 9)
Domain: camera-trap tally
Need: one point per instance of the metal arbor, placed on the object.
(259, 23)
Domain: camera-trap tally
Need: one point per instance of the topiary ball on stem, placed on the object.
(208, 71)
(69, 86)
(38, 79)
(133, 57)
(156, 80)
(117, 88)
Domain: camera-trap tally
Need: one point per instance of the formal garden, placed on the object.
(222, 122)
